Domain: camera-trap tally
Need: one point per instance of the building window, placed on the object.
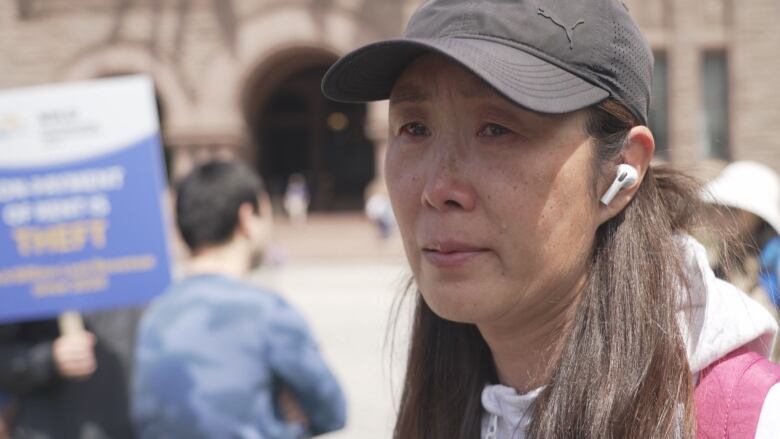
(659, 105)
(715, 100)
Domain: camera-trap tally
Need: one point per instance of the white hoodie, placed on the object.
(718, 319)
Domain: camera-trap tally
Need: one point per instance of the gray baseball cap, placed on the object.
(549, 56)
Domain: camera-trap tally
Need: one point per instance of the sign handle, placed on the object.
(71, 323)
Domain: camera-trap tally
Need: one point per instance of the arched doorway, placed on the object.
(296, 130)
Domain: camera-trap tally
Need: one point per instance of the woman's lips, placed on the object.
(451, 254)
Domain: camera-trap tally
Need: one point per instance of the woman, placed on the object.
(543, 312)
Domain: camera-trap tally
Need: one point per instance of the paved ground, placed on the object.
(336, 238)
(346, 283)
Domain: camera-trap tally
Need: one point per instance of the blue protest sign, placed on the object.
(82, 224)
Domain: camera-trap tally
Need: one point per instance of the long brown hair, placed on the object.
(623, 370)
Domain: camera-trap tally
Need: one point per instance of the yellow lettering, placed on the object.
(23, 238)
(97, 233)
(60, 238)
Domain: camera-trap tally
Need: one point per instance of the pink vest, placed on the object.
(731, 393)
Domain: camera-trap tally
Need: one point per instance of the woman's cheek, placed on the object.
(404, 197)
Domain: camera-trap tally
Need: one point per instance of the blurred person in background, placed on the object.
(69, 386)
(744, 213)
(296, 199)
(218, 357)
(379, 210)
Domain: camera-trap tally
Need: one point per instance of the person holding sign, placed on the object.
(82, 230)
(218, 357)
(69, 384)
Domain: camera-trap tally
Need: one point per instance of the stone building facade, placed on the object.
(241, 77)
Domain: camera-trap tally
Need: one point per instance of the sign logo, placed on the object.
(10, 126)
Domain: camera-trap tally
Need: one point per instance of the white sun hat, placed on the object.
(749, 186)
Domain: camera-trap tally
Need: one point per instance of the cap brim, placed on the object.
(369, 73)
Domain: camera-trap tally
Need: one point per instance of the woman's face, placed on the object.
(494, 202)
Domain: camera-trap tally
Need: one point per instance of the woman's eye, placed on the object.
(415, 129)
(492, 130)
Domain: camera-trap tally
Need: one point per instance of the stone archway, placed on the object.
(127, 59)
(134, 58)
(296, 130)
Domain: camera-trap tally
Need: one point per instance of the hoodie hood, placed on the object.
(718, 318)
(715, 319)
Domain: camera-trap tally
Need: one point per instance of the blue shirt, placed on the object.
(213, 354)
(770, 269)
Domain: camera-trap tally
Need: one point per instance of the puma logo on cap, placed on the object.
(569, 31)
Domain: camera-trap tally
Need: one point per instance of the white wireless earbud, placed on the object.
(626, 176)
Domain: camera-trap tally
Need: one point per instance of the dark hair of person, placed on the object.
(623, 370)
(208, 200)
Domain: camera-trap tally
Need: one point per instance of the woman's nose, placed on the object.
(447, 189)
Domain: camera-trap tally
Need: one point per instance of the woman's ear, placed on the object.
(637, 153)
(246, 217)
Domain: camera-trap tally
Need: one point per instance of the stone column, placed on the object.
(755, 71)
(686, 119)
